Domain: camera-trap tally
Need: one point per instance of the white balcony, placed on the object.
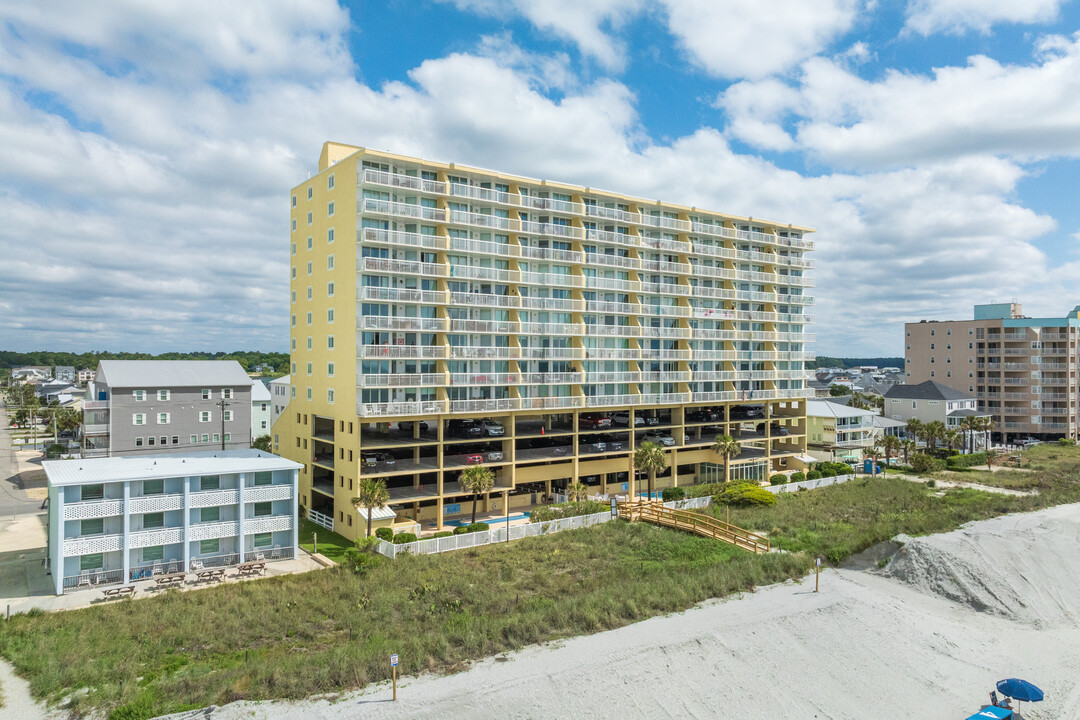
(715, 272)
(715, 375)
(480, 352)
(598, 330)
(567, 256)
(274, 523)
(612, 238)
(481, 220)
(552, 230)
(406, 210)
(213, 498)
(665, 376)
(615, 308)
(663, 266)
(715, 313)
(718, 355)
(415, 324)
(552, 279)
(611, 400)
(92, 544)
(545, 203)
(601, 259)
(406, 352)
(552, 403)
(213, 530)
(663, 288)
(478, 272)
(556, 304)
(488, 378)
(484, 405)
(378, 236)
(400, 295)
(370, 176)
(267, 493)
(656, 354)
(664, 398)
(402, 267)
(605, 353)
(93, 509)
(484, 300)
(613, 214)
(372, 380)
(666, 244)
(482, 247)
(155, 503)
(603, 378)
(714, 251)
(484, 327)
(603, 283)
(535, 328)
(715, 293)
(665, 332)
(553, 378)
(396, 409)
(159, 536)
(720, 396)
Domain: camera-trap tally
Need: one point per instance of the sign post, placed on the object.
(817, 576)
(393, 666)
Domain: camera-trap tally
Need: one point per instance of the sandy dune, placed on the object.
(927, 638)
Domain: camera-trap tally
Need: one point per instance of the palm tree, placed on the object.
(970, 426)
(934, 431)
(476, 479)
(890, 444)
(988, 427)
(651, 458)
(914, 429)
(953, 439)
(726, 447)
(372, 494)
(909, 447)
(577, 491)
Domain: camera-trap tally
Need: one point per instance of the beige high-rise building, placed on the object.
(445, 316)
(1022, 370)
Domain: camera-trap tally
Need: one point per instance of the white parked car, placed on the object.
(622, 417)
(659, 438)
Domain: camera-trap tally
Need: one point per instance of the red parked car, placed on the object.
(593, 421)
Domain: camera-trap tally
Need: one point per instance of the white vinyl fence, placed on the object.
(809, 484)
(488, 537)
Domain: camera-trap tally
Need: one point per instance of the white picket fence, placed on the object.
(809, 484)
(489, 537)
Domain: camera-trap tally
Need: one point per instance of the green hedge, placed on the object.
(963, 461)
(797, 477)
(813, 475)
(442, 533)
(922, 463)
(568, 509)
(828, 472)
(744, 494)
(777, 479)
(704, 490)
(402, 538)
(385, 533)
(673, 493)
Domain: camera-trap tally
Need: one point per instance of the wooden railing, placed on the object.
(655, 512)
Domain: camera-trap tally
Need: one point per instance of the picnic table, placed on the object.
(169, 579)
(124, 591)
(251, 568)
(213, 574)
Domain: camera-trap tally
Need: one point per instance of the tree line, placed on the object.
(248, 359)
(824, 361)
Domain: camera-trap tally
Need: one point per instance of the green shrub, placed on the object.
(931, 483)
(365, 544)
(777, 479)
(385, 533)
(797, 476)
(837, 468)
(568, 509)
(813, 475)
(461, 529)
(402, 538)
(673, 493)
(359, 561)
(477, 527)
(964, 461)
(54, 451)
(744, 494)
(1064, 441)
(942, 453)
(442, 533)
(922, 463)
(828, 472)
(704, 490)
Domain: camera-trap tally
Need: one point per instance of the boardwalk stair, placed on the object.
(656, 513)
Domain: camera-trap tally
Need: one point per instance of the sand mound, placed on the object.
(1023, 567)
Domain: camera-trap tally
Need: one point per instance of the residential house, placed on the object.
(260, 409)
(929, 401)
(838, 432)
(280, 391)
(86, 375)
(65, 373)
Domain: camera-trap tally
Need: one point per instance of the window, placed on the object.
(329, 262)
(163, 418)
(193, 439)
(309, 368)
(330, 315)
(293, 273)
(263, 509)
(153, 520)
(330, 369)
(217, 437)
(309, 343)
(227, 394)
(294, 225)
(263, 540)
(205, 438)
(263, 478)
(294, 248)
(209, 482)
(163, 395)
(139, 395)
(175, 439)
(329, 342)
(330, 396)
(94, 526)
(292, 320)
(138, 419)
(138, 442)
(330, 289)
(228, 416)
(309, 193)
(330, 209)
(309, 243)
(309, 268)
(228, 437)
(309, 393)
(153, 487)
(150, 440)
(330, 236)
(309, 217)
(209, 547)
(294, 201)
(209, 514)
(330, 182)
(204, 416)
(153, 554)
(205, 394)
(309, 292)
(92, 562)
(309, 318)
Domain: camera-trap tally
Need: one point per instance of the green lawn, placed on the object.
(331, 544)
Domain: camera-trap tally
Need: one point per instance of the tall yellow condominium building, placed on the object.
(444, 316)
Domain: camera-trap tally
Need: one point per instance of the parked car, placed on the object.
(701, 415)
(406, 426)
(622, 417)
(774, 429)
(659, 438)
(371, 459)
(594, 421)
(474, 458)
(651, 420)
(492, 428)
(465, 429)
(746, 412)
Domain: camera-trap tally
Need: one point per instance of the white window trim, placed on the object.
(167, 416)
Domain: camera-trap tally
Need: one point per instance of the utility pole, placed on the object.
(223, 405)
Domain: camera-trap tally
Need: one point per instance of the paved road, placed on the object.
(13, 500)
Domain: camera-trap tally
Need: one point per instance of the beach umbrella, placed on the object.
(1020, 690)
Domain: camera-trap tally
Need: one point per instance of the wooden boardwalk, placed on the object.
(655, 512)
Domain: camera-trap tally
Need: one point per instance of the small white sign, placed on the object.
(393, 661)
(818, 564)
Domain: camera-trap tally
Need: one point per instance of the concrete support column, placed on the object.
(295, 479)
(125, 545)
(187, 523)
(56, 537)
(241, 512)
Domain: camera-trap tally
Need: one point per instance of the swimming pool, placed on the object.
(493, 522)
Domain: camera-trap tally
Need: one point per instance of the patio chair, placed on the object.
(275, 554)
(196, 565)
(84, 579)
(259, 557)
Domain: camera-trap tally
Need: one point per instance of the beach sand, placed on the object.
(926, 638)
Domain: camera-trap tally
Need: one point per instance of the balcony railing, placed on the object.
(404, 239)
(401, 295)
(484, 405)
(407, 210)
(552, 403)
(484, 300)
(612, 400)
(557, 304)
(403, 267)
(93, 509)
(553, 378)
(664, 398)
(423, 407)
(397, 180)
(488, 378)
(604, 378)
(421, 352)
(416, 324)
(373, 380)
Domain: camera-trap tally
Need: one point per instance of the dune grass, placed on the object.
(331, 630)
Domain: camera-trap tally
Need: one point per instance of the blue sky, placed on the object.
(932, 143)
